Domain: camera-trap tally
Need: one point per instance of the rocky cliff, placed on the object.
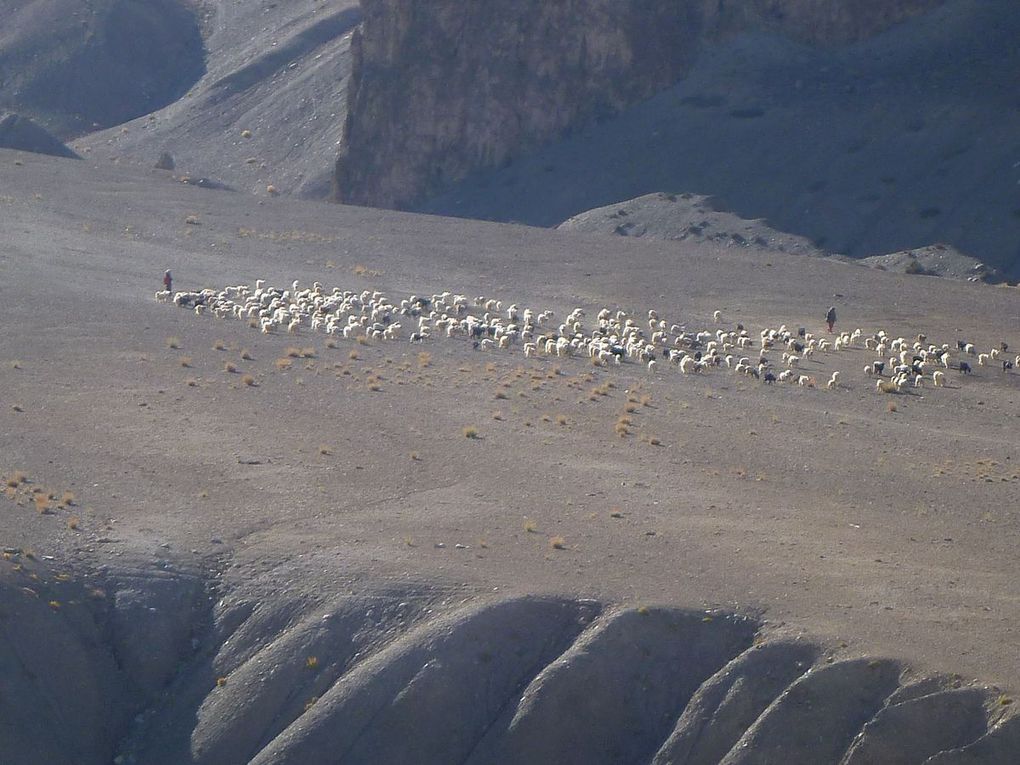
(443, 88)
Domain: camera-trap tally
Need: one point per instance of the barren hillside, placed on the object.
(285, 547)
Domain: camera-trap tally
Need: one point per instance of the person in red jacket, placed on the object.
(168, 281)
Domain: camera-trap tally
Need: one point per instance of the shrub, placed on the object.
(173, 343)
(248, 380)
(470, 431)
(558, 543)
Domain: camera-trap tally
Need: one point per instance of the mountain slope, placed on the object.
(909, 138)
(270, 110)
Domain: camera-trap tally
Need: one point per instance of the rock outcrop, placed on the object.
(443, 88)
(22, 134)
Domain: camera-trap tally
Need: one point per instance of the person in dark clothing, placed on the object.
(168, 281)
(830, 317)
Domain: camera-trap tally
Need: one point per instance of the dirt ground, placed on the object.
(874, 524)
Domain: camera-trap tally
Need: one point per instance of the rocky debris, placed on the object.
(686, 217)
(166, 161)
(935, 260)
(506, 77)
(22, 134)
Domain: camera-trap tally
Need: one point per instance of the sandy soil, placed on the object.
(873, 531)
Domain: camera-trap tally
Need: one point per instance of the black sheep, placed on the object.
(965, 368)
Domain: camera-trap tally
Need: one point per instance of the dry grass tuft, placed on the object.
(192, 220)
(220, 682)
(292, 352)
(530, 526)
(469, 431)
(325, 451)
(191, 382)
(497, 415)
(249, 381)
(500, 395)
(311, 662)
(353, 355)
(558, 543)
(415, 457)
(424, 359)
(73, 522)
(42, 504)
(173, 343)
(331, 344)
(891, 406)
(186, 362)
(15, 364)
(308, 353)
(67, 499)
(229, 368)
(283, 363)
(219, 345)
(615, 513)
(561, 419)
(362, 340)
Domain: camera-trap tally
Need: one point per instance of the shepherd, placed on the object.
(168, 281)
(830, 317)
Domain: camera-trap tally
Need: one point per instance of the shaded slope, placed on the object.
(269, 111)
(897, 142)
(23, 134)
(76, 65)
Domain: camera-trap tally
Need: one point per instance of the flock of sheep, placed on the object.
(614, 337)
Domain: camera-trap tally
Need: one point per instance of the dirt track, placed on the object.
(821, 512)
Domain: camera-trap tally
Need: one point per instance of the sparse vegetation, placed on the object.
(249, 381)
(558, 543)
(229, 368)
(530, 526)
(173, 343)
(470, 431)
(185, 362)
(219, 345)
(73, 522)
(283, 363)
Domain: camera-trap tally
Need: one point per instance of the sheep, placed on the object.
(938, 378)
(162, 296)
(965, 368)
(717, 317)
(833, 381)
(651, 365)
(982, 359)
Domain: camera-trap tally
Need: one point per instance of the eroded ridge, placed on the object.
(155, 669)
